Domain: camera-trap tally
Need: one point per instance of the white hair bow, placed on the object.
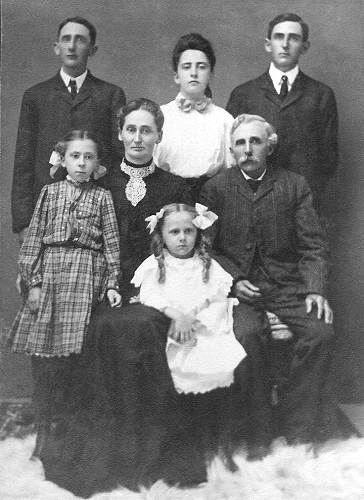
(56, 161)
(205, 218)
(153, 220)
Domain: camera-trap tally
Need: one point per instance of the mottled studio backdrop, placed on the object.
(135, 39)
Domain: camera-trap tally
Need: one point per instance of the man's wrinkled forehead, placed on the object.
(246, 130)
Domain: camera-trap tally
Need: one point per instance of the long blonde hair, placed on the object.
(202, 244)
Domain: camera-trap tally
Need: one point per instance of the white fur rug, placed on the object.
(334, 472)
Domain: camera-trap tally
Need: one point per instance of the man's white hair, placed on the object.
(245, 118)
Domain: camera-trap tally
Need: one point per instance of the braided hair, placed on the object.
(202, 245)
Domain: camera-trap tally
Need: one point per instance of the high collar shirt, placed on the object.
(247, 177)
(194, 143)
(79, 79)
(276, 76)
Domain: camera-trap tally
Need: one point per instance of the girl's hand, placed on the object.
(183, 330)
(114, 298)
(33, 299)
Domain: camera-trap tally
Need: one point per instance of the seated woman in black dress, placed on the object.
(127, 425)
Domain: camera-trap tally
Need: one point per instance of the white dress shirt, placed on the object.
(276, 76)
(79, 79)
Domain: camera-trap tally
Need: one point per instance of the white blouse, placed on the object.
(209, 360)
(194, 143)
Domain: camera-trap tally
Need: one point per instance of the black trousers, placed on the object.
(308, 405)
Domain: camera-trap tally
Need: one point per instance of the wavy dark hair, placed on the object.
(194, 41)
(202, 245)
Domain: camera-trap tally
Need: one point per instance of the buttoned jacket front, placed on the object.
(278, 221)
(47, 114)
(306, 123)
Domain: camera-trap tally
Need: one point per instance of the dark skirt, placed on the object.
(126, 425)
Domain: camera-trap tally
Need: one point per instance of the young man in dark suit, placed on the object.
(302, 110)
(269, 238)
(72, 99)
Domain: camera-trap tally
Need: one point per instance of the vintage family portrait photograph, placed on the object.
(182, 250)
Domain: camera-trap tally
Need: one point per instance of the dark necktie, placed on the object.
(73, 86)
(253, 184)
(284, 88)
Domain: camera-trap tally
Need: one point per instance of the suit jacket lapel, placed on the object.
(85, 91)
(294, 94)
(269, 90)
(296, 91)
(242, 185)
(267, 184)
(61, 89)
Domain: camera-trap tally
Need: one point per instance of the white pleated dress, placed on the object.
(208, 361)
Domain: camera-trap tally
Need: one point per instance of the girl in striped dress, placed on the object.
(68, 262)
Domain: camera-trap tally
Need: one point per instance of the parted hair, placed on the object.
(79, 20)
(75, 135)
(202, 245)
(141, 103)
(288, 16)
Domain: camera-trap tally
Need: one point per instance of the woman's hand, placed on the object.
(33, 299)
(114, 298)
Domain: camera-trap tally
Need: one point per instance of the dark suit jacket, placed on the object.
(47, 114)
(306, 124)
(279, 221)
(162, 188)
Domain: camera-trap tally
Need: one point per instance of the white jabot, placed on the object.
(79, 79)
(276, 76)
(136, 188)
(194, 143)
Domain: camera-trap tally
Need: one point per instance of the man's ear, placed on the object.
(92, 50)
(270, 149)
(305, 47)
(267, 45)
(56, 48)
(119, 136)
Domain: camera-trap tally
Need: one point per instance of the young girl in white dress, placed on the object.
(68, 262)
(196, 140)
(181, 280)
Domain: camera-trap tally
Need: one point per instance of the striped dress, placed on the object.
(71, 251)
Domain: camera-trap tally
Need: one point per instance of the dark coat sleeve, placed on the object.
(236, 103)
(311, 245)
(117, 101)
(328, 132)
(23, 177)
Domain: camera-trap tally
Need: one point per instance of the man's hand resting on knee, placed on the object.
(323, 308)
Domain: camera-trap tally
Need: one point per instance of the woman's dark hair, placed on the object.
(75, 135)
(79, 20)
(194, 41)
(141, 103)
(202, 242)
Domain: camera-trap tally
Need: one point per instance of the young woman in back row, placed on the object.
(196, 133)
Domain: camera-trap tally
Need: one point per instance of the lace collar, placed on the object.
(136, 188)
